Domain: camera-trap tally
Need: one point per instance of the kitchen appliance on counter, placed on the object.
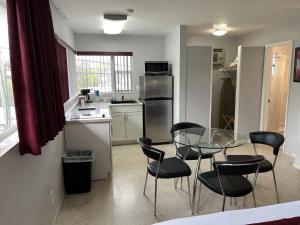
(156, 92)
(87, 94)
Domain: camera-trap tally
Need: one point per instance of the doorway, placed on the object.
(277, 71)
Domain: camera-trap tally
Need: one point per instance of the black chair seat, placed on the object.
(233, 186)
(264, 166)
(192, 155)
(170, 168)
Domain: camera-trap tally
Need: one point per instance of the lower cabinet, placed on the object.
(95, 137)
(118, 127)
(134, 125)
(127, 123)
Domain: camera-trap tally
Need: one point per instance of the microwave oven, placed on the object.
(218, 56)
(156, 68)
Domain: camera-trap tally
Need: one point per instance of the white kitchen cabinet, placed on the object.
(134, 125)
(118, 127)
(127, 123)
(91, 136)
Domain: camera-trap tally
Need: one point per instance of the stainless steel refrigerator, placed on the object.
(156, 92)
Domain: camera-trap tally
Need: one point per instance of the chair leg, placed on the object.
(181, 183)
(155, 196)
(199, 194)
(245, 195)
(189, 191)
(211, 165)
(145, 183)
(195, 183)
(275, 183)
(223, 206)
(253, 195)
(175, 183)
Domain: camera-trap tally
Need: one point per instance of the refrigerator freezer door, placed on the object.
(156, 86)
(158, 120)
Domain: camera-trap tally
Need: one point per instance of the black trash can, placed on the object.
(77, 168)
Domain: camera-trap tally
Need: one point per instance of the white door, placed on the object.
(277, 82)
(118, 127)
(134, 125)
(248, 89)
(198, 88)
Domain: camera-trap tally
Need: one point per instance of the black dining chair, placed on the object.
(186, 152)
(164, 168)
(228, 178)
(272, 139)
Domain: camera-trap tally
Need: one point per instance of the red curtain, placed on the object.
(63, 70)
(35, 76)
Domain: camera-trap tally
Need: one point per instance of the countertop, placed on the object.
(98, 112)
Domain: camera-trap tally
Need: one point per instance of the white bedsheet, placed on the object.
(242, 216)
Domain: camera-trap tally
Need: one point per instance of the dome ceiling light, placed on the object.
(114, 23)
(219, 29)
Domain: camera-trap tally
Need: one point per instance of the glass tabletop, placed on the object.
(214, 138)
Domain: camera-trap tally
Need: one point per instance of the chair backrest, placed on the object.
(183, 125)
(149, 151)
(239, 167)
(272, 139)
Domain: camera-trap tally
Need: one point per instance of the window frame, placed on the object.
(9, 131)
(113, 75)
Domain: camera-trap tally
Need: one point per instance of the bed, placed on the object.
(244, 216)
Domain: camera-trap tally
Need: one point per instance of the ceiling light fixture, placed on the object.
(114, 23)
(219, 29)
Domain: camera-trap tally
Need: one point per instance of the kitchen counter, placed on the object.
(98, 112)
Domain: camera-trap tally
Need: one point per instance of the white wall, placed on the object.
(72, 75)
(229, 44)
(63, 30)
(273, 35)
(26, 185)
(175, 53)
(144, 48)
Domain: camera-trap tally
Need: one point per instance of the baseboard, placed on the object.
(57, 211)
(116, 143)
(295, 165)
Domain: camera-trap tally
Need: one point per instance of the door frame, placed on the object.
(263, 117)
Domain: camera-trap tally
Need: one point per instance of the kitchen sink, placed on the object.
(86, 108)
(122, 101)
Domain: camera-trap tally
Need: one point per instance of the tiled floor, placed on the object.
(119, 200)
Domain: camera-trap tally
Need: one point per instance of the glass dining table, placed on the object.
(207, 141)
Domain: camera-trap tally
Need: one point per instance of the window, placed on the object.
(7, 109)
(107, 72)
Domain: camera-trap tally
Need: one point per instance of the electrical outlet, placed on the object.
(52, 196)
